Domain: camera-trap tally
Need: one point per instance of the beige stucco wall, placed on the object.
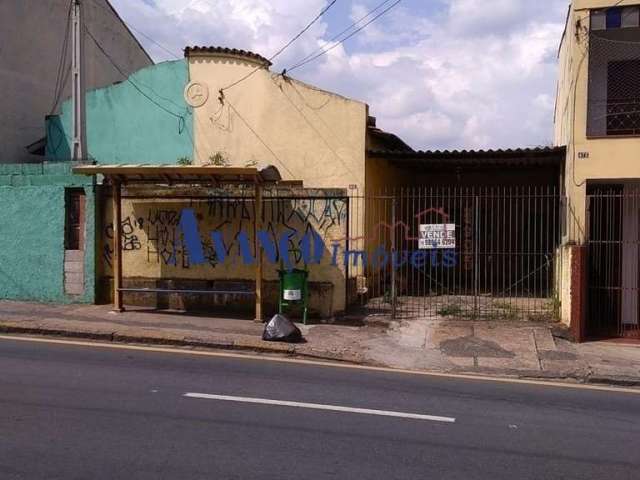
(563, 282)
(309, 134)
(612, 158)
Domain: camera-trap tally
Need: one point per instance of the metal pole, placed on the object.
(79, 141)
(476, 277)
(257, 223)
(117, 246)
(347, 246)
(394, 293)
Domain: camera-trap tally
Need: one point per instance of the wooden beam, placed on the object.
(156, 170)
(257, 225)
(117, 245)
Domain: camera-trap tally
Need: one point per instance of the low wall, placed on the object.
(32, 220)
(573, 289)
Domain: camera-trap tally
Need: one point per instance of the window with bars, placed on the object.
(623, 109)
(614, 72)
(74, 219)
(616, 17)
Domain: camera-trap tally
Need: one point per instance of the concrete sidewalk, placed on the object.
(520, 349)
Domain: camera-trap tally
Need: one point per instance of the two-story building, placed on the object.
(597, 117)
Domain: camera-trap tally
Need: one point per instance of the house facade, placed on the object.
(597, 118)
(539, 232)
(192, 111)
(247, 114)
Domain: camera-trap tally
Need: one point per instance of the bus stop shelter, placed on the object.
(177, 178)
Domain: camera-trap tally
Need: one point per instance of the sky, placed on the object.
(441, 74)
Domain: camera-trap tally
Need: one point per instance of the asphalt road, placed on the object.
(75, 412)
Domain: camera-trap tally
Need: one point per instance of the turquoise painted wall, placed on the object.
(32, 232)
(123, 126)
(146, 121)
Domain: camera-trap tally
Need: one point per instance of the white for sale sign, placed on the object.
(437, 236)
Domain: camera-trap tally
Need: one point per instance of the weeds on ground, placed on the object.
(452, 310)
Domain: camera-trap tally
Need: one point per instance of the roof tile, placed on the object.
(226, 51)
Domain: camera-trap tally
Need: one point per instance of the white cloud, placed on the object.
(463, 74)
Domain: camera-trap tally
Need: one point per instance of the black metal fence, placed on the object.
(613, 218)
(461, 252)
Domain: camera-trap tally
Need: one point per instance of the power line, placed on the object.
(338, 35)
(159, 45)
(308, 122)
(156, 43)
(605, 9)
(303, 30)
(60, 77)
(574, 102)
(327, 50)
(61, 90)
(180, 117)
(288, 44)
(252, 130)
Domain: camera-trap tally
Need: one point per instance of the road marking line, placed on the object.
(320, 363)
(319, 406)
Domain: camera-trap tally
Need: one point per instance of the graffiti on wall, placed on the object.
(160, 231)
(130, 227)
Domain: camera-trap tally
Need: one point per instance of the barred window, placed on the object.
(74, 219)
(617, 17)
(614, 73)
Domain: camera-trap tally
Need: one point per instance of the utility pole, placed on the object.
(79, 145)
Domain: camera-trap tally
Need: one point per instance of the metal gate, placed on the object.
(461, 252)
(613, 218)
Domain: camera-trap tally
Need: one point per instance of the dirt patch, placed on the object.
(471, 346)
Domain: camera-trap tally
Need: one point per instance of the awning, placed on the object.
(181, 174)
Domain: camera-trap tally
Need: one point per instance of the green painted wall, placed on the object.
(32, 233)
(144, 120)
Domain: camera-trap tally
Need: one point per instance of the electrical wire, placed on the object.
(310, 124)
(156, 43)
(288, 44)
(62, 84)
(159, 45)
(573, 125)
(253, 131)
(181, 119)
(327, 50)
(574, 101)
(605, 9)
(338, 35)
(60, 77)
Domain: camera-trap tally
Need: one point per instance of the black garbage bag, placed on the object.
(281, 329)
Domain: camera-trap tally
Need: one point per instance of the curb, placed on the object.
(254, 346)
(614, 381)
(259, 346)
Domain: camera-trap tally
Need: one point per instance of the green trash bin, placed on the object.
(294, 290)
